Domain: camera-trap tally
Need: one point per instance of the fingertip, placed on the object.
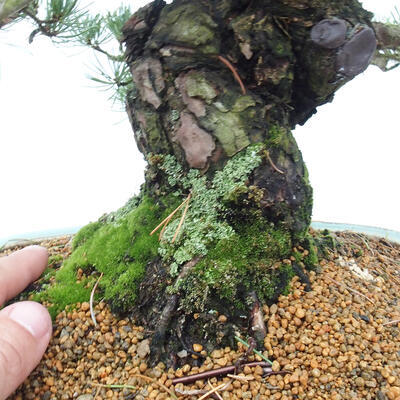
(19, 269)
(33, 317)
(25, 332)
(40, 253)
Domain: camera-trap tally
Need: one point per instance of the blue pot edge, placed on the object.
(384, 233)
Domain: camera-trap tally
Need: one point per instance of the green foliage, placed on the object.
(203, 225)
(64, 22)
(116, 20)
(114, 76)
(61, 16)
(91, 30)
(120, 249)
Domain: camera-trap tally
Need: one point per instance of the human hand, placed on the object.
(25, 327)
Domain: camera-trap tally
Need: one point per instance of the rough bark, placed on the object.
(212, 78)
(9, 9)
(387, 56)
(219, 84)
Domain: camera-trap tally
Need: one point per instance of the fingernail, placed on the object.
(33, 317)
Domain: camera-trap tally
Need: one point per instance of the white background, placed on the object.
(68, 156)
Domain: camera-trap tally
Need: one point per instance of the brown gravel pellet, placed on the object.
(332, 341)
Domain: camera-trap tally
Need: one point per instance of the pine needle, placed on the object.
(351, 289)
(157, 383)
(234, 72)
(396, 321)
(214, 390)
(241, 378)
(114, 386)
(273, 164)
(212, 387)
(167, 219)
(91, 300)
(182, 218)
(255, 351)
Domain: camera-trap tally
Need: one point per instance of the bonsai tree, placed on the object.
(213, 90)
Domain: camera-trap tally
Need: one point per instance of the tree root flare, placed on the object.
(158, 340)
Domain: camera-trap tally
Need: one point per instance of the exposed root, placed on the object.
(241, 378)
(225, 371)
(158, 339)
(366, 243)
(234, 72)
(396, 321)
(204, 392)
(257, 319)
(280, 26)
(216, 393)
(100, 385)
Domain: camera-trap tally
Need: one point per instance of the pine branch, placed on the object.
(387, 56)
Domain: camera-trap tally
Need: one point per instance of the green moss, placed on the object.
(123, 211)
(119, 249)
(278, 137)
(311, 260)
(325, 241)
(55, 259)
(243, 262)
(85, 233)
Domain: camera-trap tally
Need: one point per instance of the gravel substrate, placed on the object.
(338, 341)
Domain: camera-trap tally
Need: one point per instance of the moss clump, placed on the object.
(325, 241)
(246, 261)
(279, 137)
(119, 249)
(85, 233)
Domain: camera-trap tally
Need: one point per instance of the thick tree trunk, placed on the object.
(219, 84)
(187, 59)
(212, 79)
(9, 9)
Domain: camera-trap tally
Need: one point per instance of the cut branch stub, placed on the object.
(329, 33)
(355, 56)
